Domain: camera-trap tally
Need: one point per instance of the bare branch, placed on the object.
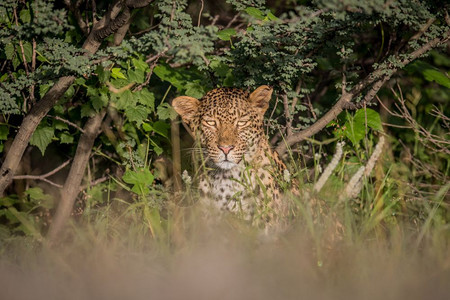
(75, 10)
(375, 81)
(71, 186)
(433, 142)
(67, 122)
(43, 177)
(200, 13)
(287, 115)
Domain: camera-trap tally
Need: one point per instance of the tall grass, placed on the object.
(386, 246)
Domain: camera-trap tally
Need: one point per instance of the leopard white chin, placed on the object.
(226, 164)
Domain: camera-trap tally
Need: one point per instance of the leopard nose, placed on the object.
(226, 149)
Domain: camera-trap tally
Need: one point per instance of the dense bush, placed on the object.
(72, 89)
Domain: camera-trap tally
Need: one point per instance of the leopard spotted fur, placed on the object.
(241, 166)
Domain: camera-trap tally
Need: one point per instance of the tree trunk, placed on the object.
(117, 16)
(71, 187)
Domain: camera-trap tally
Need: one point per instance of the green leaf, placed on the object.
(165, 111)
(103, 74)
(166, 73)
(3, 77)
(43, 89)
(226, 34)
(147, 98)
(355, 127)
(59, 125)
(436, 76)
(124, 99)
(140, 64)
(80, 81)
(373, 119)
(429, 72)
(137, 113)
(116, 73)
(139, 179)
(161, 128)
(195, 89)
(86, 110)
(27, 222)
(4, 131)
(15, 62)
(28, 51)
(254, 12)
(9, 51)
(137, 76)
(271, 16)
(99, 100)
(38, 197)
(42, 137)
(25, 16)
(66, 138)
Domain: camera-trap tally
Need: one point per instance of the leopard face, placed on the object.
(228, 123)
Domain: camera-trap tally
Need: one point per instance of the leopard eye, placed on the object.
(210, 122)
(242, 122)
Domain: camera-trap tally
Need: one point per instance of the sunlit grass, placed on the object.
(378, 245)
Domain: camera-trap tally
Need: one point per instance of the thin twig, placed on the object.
(287, 115)
(43, 177)
(94, 182)
(200, 13)
(67, 122)
(21, 45)
(236, 16)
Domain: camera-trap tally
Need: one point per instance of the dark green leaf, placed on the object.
(166, 73)
(147, 98)
(165, 111)
(140, 179)
(4, 131)
(140, 64)
(42, 137)
(25, 16)
(436, 76)
(38, 197)
(86, 110)
(9, 51)
(124, 99)
(103, 74)
(255, 13)
(28, 51)
(66, 138)
(226, 34)
(100, 100)
(137, 76)
(137, 113)
(195, 89)
(59, 125)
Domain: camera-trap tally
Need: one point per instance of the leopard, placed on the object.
(241, 168)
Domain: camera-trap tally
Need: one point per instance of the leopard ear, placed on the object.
(260, 98)
(186, 107)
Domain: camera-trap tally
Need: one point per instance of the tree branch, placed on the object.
(74, 8)
(375, 81)
(71, 187)
(108, 24)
